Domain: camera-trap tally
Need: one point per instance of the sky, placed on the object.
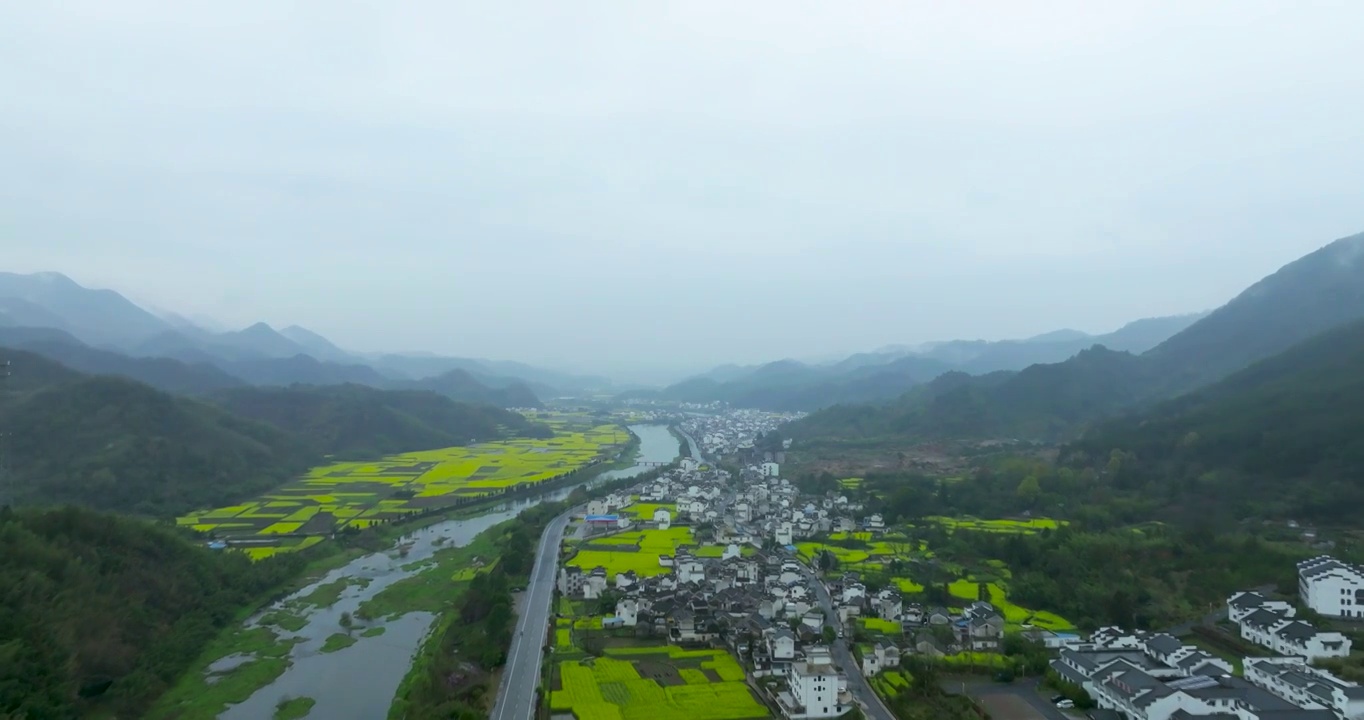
(649, 188)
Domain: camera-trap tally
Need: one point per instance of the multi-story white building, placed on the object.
(1286, 636)
(663, 519)
(1331, 587)
(770, 469)
(1153, 676)
(1306, 686)
(814, 688)
(1242, 604)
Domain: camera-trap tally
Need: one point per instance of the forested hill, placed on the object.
(1312, 295)
(100, 614)
(1280, 438)
(115, 444)
(354, 421)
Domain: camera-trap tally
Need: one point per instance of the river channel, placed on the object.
(358, 682)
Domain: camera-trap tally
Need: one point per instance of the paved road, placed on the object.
(857, 684)
(521, 675)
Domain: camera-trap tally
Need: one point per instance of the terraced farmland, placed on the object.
(655, 683)
(361, 494)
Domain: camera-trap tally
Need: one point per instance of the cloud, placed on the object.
(593, 182)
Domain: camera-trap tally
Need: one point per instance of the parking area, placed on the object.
(1019, 701)
(1006, 706)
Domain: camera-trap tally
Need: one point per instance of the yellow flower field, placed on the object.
(361, 494)
(707, 685)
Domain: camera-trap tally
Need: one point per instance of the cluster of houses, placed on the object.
(757, 596)
(759, 601)
(734, 431)
(1154, 676)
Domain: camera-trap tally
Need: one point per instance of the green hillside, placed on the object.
(354, 421)
(100, 614)
(1281, 437)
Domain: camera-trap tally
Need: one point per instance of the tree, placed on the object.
(347, 621)
(1029, 489)
(829, 635)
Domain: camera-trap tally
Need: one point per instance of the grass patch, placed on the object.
(326, 595)
(432, 589)
(196, 698)
(1027, 526)
(338, 641)
(294, 708)
(286, 619)
(375, 631)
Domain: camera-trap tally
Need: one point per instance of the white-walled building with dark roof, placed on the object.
(1331, 587)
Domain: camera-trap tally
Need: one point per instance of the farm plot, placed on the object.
(637, 550)
(897, 561)
(1026, 527)
(655, 683)
(362, 494)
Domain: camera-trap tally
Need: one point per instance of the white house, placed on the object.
(595, 583)
(1331, 587)
(627, 611)
(1287, 636)
(785, 534)
(782, 644)
(1306, 686)
(876, 523)
(598, 507)
(814, 688)
(770, 469)
(690, 570)
(1242, 604)
(731, 551)
(663, 518)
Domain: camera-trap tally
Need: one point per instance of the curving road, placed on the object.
(521, 675)
(857, 683)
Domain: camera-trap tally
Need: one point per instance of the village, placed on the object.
(709, 558)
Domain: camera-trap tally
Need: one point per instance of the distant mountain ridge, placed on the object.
(884, 375)
(1051, 401)
(109, 325)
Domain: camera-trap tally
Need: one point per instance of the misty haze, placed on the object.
(682, 361)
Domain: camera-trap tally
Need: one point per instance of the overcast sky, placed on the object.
(660, 186)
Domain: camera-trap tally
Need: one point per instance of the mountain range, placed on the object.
(1054, 401)
(102, 332)
(888, 373)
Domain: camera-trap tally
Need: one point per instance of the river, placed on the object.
(359, 682)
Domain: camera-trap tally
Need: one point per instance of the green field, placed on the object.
(361, 494)
(1027, 527)
(876, 554)
(655, 683)
(645, 511)
(636, 550)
